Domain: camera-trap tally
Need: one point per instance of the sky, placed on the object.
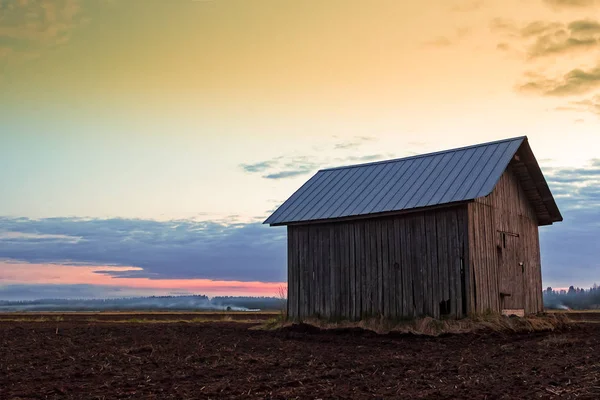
(142, 143)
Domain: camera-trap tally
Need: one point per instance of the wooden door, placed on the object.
(511, 270)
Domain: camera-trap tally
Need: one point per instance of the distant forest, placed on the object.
(152, 303)
(573, 298)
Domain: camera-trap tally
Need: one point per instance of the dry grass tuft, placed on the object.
(433, 327)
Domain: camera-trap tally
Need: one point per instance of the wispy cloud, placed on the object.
(549, 38)
(259, 166)
(365, 158)
(448, 40)
(356, 142)
(570, 4)
(179, 249)
(556, 38)
(440, 41)
(577, 187)
(592, 105)
(574, 82)
(290, 173)
(466, 5)
(28, 26)
(284, 167)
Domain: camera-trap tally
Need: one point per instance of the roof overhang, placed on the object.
(525, 166)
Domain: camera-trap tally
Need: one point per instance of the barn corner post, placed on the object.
(445, 234)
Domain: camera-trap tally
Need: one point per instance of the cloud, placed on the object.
(366, 158)
(576, 81)
(27, 27)
(258, 167)
(284, 167)
(438, 42)
(352, 144)
(290, 173)
(555, 38)
(446, 41)
(569, 254)
(569, 248)
(466, 5)
(174, 249)
(565, 4)
(592, 105)
(576, 187)
(542, 38)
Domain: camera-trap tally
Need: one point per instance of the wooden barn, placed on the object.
(440, 234)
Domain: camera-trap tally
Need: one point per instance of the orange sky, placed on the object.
(48, 274)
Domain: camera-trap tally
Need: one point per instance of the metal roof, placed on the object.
(396, 185)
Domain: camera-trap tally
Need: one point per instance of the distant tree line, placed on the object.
(151, 303)
(573, 298)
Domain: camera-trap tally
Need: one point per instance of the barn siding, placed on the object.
(494, 260)
(396, 267)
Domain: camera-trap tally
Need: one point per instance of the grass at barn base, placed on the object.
(434, 327)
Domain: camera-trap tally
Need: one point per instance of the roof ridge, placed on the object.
(425, 154)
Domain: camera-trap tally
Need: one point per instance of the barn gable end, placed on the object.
(503, 232)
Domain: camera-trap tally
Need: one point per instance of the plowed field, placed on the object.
(220, 360)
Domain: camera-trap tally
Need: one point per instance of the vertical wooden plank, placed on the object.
(464, 261)
(344, 270)
(414, 254)
(304, 312)
(432, 265)
(409, 268)
(324, 238)
(385, 296)
(332, 267)
(357, 252)
(421, 254)
(297, 272)
(317, 272)
(377, 266)
(300, 270)
(341, 267)
(352, 266)
(454, 263)
(473, 259)
(392, 270)
(402, 292)
(443, 256)
(311, 270)
(372, 267)
(360, 255)
(291, 251)
(322, 269)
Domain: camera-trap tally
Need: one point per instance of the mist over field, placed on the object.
(153, 303)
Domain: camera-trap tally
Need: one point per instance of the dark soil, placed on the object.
(67, 360)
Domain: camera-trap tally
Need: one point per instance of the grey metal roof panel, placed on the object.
(395, 185)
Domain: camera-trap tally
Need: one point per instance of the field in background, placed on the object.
(142, 316)
(580, 315)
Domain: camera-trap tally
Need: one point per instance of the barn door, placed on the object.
(511, 270)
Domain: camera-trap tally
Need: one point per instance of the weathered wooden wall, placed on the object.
(401, 266)
(503, 232)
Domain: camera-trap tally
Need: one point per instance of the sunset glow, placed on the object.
(35, 274)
